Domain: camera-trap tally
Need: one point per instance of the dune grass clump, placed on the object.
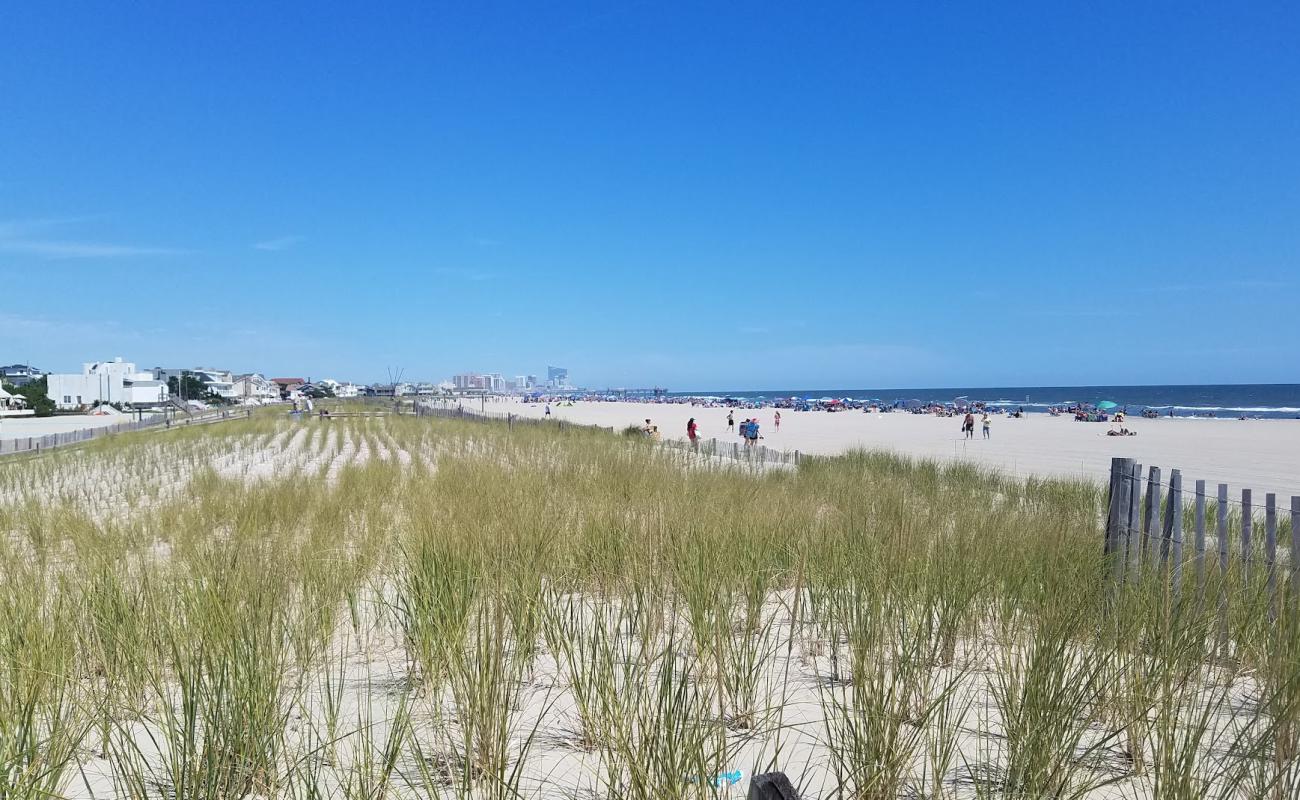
(391, 607)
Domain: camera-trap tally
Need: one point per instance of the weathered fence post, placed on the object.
(1116, 543)
(1295, 554)
(1222, 531)
(1200, 540)
(1135, 523)
(1117, 513)
(1270, 552)
(1167, 524)
(1247, 523)
(1174, 535)
(1151, 515)
(796, 458)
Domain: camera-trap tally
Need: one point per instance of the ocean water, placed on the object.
(1266, 400)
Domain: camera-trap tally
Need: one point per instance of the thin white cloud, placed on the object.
(51, 249)
(23, 236)
(46, 330)
(279, 243)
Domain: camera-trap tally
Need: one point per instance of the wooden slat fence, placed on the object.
(709, 450)
(1146, 532)
(49, 441)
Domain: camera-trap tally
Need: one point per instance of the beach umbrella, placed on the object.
(1106, 405)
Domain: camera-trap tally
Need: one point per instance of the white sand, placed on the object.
(22, 427)
(1262, 455)
(793, 678)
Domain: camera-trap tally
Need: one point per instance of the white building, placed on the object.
(13, 405)
(254, 388)
(218, 381)
(115, 381)
(339, 389)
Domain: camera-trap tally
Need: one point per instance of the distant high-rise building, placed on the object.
(557, 376)
(469, 380)
(521, 383)
(531, 381)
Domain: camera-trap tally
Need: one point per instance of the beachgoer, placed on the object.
(968, 425)
(731, 422)
(986, 423)
(692, 433)
(776, 421)
(647, 427)
(548, 409)
(654, 432)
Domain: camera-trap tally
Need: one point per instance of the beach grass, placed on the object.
(412, 607)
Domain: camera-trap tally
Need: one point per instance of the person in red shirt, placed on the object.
(692, 433)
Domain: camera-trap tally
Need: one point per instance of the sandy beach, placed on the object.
(22, 427)
(1262, 455)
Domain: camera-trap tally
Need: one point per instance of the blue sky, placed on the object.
(737, 196)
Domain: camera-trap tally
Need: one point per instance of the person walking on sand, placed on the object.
(776, 421)
(968, 425)
(548, 409)
(731, 422)
(692, 433)
(985, 423)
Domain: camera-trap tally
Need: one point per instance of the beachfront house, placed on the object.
(19, 375)
(253, 388)
(339, 389)
(112, 382)
(391, 389)
(217, 381)
(288, 386)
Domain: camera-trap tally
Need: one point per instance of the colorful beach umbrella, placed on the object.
(1106, 405)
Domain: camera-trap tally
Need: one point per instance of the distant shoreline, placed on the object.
(1266, 401)
(1246, 454)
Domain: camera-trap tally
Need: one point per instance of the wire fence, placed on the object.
(49, 441)
(709, 451)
